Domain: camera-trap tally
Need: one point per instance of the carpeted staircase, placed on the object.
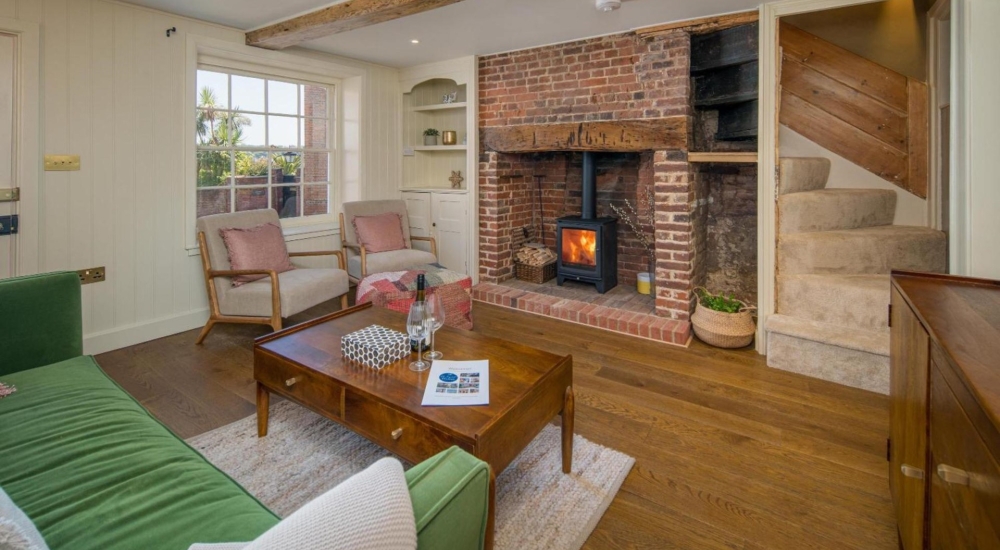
(836, 248)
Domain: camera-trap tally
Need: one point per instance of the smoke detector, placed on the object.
(608, 5)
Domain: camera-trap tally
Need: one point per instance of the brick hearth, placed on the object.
(642, 325)
(612, 78)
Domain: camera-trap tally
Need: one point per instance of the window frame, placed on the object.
(330, 149)
(240, 58)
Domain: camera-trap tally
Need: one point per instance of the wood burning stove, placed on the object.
(587, 246)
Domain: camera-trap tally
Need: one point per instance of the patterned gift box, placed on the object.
(375, 346)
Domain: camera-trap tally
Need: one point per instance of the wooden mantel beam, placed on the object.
(619, 135)
(342, 17)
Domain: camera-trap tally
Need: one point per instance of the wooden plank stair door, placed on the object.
(860, 110)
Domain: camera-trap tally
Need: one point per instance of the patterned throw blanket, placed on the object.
(396, 290)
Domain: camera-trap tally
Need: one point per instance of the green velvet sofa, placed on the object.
(93, 469)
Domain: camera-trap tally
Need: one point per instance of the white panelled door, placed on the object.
(8, 249)
(450, 221)
(418, 209)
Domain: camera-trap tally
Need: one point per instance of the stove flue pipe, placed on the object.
(589, 209)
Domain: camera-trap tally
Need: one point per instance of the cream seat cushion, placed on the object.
(300, 289)
(396, 260)
(371, 510)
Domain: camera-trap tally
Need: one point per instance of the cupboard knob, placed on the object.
(397, 433)
(291, 381)
(910, 471)
(950, 474)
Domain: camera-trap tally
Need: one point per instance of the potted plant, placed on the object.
(289, 164)
(722, 321)
(431, 137)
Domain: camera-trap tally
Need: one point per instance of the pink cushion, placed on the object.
(380, 233)
(259, 247)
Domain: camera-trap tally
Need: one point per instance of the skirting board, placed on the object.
(130, 335)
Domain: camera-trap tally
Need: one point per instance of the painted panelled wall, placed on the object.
(112, 92)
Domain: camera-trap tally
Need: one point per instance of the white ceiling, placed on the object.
(471, 27)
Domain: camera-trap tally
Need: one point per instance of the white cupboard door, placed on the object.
(451, 230)
(418, 209)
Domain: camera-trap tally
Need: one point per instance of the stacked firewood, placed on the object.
(530, 255)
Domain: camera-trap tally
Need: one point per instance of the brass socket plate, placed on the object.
(10, 194)
(62, 163)
(91, 275)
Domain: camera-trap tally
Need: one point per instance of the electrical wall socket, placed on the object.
(92, 275)
(62, 163)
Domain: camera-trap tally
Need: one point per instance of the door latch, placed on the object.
(8, 225)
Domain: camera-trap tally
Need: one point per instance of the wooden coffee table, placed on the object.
(528, 387)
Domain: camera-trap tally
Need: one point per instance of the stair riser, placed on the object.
(864, 308)
(802, 174)
(859, 254)
(832, 210)
(858, 369)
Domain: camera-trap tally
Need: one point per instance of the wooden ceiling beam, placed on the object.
(343, 17)
(701, 25)
(621, 136)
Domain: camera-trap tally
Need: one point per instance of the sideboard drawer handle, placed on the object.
(397, 433)
(291, 381)
(910, 471)
(950, 474)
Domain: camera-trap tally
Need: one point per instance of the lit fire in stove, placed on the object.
(579, 246)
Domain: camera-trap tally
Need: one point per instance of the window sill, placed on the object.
(293, 233)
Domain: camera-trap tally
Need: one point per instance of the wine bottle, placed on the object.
(419, 346)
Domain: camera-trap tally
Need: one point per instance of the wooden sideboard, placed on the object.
(944, 444)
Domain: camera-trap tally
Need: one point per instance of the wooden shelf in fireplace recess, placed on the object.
(744, 158)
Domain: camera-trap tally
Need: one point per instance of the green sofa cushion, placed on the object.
(40, 320)
(93, 469)
(450, 495)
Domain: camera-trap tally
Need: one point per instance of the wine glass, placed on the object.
(417, 328)
(435, 320)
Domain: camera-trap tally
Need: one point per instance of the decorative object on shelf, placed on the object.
(634, 221)
(456, 179)
(375, 346)
(449, 137)
(723, 322)
(465, 139)
(448, 99)
(535, 264)
(431, 137)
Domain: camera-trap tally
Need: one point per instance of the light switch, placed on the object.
(62, 163)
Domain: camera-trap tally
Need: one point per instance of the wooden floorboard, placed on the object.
(730, 454)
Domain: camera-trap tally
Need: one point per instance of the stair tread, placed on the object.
(801, 174)
(867, 340)
(834, 209)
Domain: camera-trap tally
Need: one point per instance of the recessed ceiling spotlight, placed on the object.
(608, 5)
(414, 41)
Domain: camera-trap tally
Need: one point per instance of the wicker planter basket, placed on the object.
(723, 330)
(537, 274)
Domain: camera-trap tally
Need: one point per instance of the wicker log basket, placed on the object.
(722, 329)
(535, 264)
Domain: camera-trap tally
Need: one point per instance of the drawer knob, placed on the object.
(291, 381)
(397, 433)
(910, 471)
(950, 474)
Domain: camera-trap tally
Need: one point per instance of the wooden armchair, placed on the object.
(362, 263)
(265, 301)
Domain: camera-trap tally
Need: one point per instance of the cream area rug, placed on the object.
(304, 455)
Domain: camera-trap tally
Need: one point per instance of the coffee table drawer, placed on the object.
(398, 432)
(305, 386)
